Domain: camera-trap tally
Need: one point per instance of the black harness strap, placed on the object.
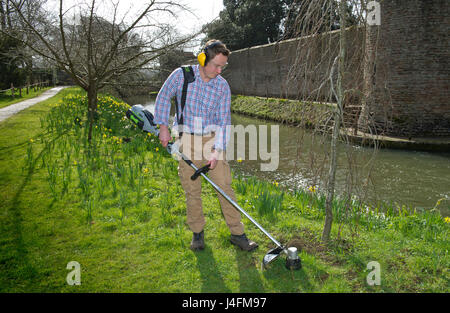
(189, 77)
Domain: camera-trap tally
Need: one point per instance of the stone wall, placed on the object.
(295, 68)
(407, 69)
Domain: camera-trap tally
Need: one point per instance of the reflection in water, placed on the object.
(411, 178)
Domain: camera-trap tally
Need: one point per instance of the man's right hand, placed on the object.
(164, 135)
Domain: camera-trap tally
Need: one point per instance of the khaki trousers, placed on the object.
(198, 150)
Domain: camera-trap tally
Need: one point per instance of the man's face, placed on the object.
(215, 66)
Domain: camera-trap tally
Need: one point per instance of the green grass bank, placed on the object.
(116, 207)
(283, 110)
(7, 99)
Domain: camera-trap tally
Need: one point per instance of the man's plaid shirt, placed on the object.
(207, 106)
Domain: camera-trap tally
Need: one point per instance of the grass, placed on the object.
(117, 208)
(6, 98)
(305, 114)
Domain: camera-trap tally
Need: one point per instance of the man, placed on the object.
(206, 116)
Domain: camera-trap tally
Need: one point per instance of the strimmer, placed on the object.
(144, 120)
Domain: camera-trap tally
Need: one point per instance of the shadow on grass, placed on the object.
(15, 254)
(16, 145)
(211, 277)
(19, 267)
(285, 280)
(249, 276)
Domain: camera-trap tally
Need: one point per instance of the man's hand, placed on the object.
(164, 135)
(213, 159)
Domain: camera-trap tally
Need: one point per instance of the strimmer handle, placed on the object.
(201, 170)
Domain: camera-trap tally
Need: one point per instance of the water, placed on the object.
(411, 178)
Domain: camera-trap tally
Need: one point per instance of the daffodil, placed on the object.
(275, 183)
(239, 160)
(312, 188)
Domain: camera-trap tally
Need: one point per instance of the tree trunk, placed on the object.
(8, 15)
(2, 16)
(92, 108)
(336, 129)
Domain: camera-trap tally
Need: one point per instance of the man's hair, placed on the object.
(219, 48)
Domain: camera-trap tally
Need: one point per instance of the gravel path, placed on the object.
(19, 106)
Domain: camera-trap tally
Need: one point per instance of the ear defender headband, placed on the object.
(203, 57)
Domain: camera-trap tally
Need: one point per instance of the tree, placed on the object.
(94, 50)
(11, 62)
(328, 67)
(247, 23)
(339, 112)
(296, 23)
(322, 18)
(17, 60)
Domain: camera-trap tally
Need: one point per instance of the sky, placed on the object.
(206, 10)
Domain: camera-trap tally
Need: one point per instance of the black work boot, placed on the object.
(243, 242)
(198, 242)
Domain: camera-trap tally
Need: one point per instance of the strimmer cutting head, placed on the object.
(293, 261)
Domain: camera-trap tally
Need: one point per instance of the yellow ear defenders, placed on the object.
(203, 57)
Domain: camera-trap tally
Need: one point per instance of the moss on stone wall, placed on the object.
(306, 114)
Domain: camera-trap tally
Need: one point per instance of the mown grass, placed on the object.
(116, 206)
(7, 99)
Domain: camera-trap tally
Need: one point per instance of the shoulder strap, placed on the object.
(188, 75)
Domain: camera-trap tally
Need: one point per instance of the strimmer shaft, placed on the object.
(229, 199)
